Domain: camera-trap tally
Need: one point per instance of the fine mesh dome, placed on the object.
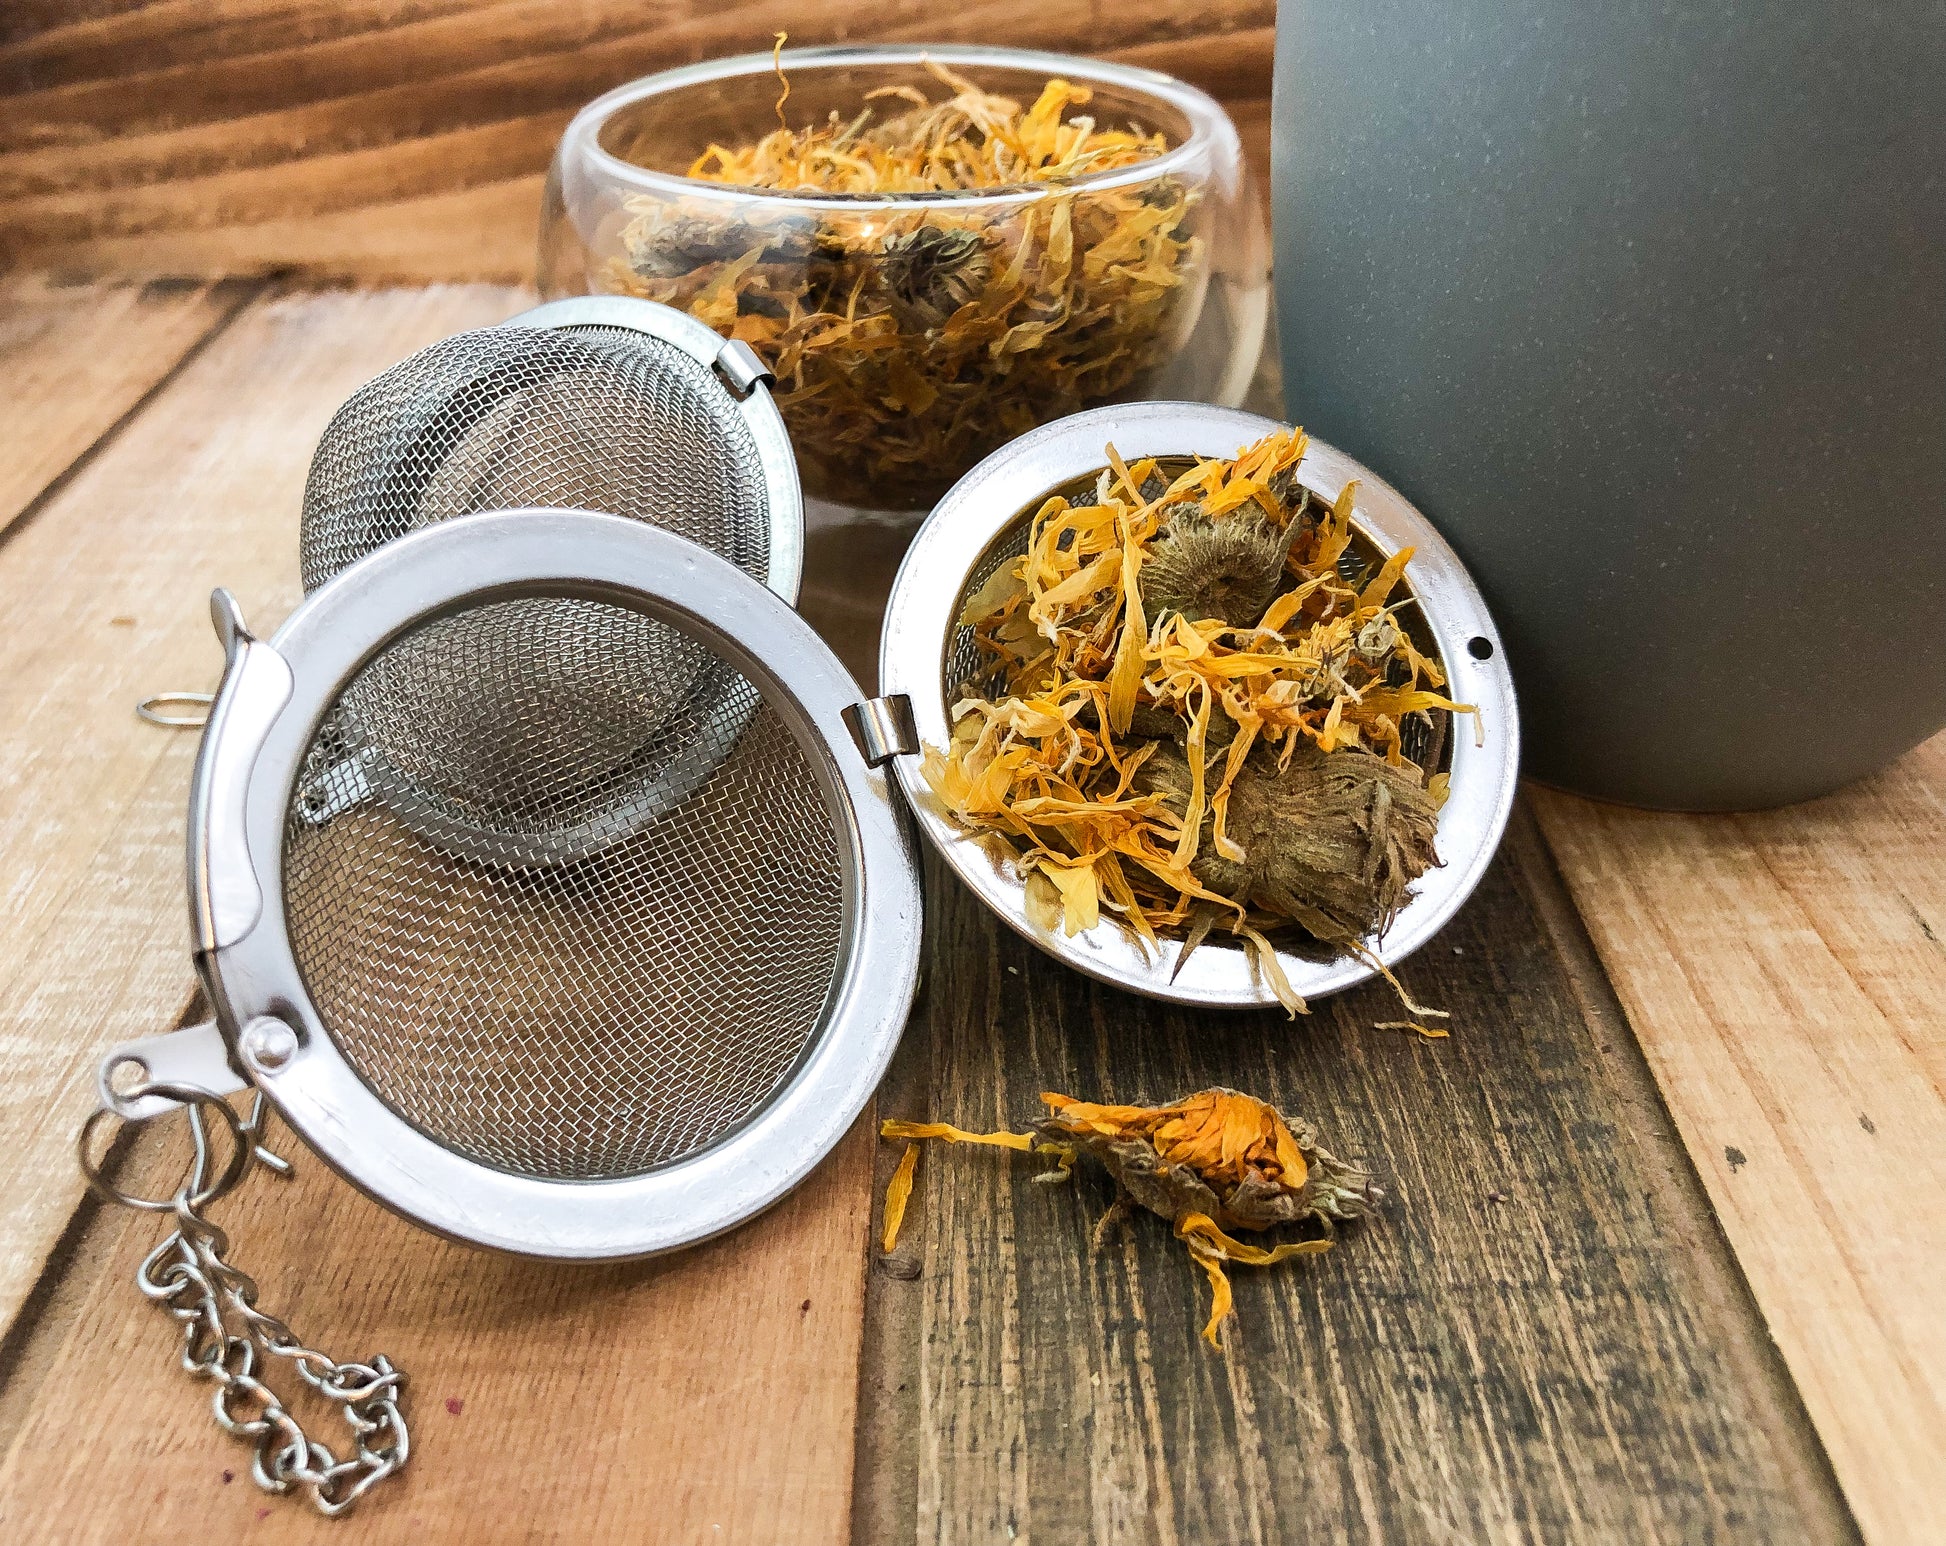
(584, 1020)
(599, 418)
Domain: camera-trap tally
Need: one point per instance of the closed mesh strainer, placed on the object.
(575, 414)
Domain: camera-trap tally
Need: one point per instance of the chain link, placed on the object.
(227, 1339)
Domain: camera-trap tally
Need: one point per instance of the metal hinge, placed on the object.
(737, 363)
(883, 728)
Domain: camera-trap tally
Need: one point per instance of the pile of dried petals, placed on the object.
(1192, 710)
(908, 342)
(1212, 1162)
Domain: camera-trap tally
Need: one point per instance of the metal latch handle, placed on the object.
(195, 1057)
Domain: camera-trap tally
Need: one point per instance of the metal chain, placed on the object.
(227, 1339)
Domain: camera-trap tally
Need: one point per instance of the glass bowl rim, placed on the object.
(1208, 123)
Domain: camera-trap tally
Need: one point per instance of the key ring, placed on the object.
(193, 1192)
(154, 709)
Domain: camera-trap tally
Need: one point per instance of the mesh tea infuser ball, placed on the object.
(641, 1045)
(593, 1058)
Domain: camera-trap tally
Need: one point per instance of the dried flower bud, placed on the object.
(1377, 639)
(931, 272)
(1211, 1162)
(1229, 567)
(679, 244)
(1218, 1152)
(1334, 840)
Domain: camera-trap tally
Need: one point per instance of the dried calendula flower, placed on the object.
(1210, 1163)
(1201, 704)
(910, 339)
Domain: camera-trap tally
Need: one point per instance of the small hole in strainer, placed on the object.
(1480, 647)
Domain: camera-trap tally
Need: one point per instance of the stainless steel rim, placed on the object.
(502, 555)
(919, 633)
(784, 497)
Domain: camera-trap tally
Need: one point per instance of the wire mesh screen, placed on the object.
(578, 1020)
(589, 418)
(598, 418)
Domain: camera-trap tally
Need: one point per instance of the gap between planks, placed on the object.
(1784, 973)
(78, 361)
(377, 142)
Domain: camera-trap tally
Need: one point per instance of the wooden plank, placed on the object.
(706, 1396)
(377, 141)
(1541, 1336)
(1784, 972)
(76, 359)
(105, 593)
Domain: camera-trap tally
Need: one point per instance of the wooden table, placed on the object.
(1663, 1255)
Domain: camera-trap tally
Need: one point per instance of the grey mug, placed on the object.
(1645, 306)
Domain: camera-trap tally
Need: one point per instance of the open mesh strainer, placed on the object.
(603, 1056)
(615, 405)
(925, 657)
(636, 1043)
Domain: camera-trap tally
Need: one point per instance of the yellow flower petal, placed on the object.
(892, 1128)
(897, 1192)
(1221, 1301)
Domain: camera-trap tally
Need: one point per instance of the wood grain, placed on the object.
(1541, 1337)
(702, 1397)
(105, 592)
(378, 141)
(75, 360)
(1785, 972)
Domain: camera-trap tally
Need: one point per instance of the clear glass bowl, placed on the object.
(902, 359)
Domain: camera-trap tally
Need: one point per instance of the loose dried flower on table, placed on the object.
(1192, 709)
(910, 340)
(1210, 1163)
